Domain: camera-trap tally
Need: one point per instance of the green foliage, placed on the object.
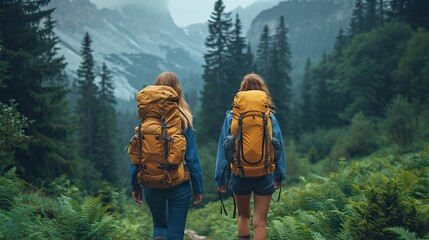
(289, 228)
(423, 125)
(87, 102)
(35, 79)
(313, 156)
(27, 213)
(263, 52)
(373, 198)
(63, 186)
(107, 197)
(10, 187)
(238, 65)
(278, 80)
(87, 221)
(384, 205)
(403, 233)
(106, 141)
(297, 165)
(208, 164)
(12, 126)
(321, 140)
(359, 75)
(359, 140)
(400, 124)
(416, 13)
(216, 95)
(413, 71)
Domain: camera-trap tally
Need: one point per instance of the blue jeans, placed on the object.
(169, 208)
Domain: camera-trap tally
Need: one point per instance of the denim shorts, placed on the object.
(261, 186)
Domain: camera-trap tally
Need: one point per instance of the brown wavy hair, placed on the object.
(170, 79)
(253, 81)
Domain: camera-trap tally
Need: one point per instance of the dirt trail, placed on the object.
(194, 236)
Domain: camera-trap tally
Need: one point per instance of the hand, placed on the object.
(221, 189)
(277, 185)
(138, 195)
(198, 198)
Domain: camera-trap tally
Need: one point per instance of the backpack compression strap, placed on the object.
(265, 141)
(140, 137)
(239, 144)
(165, 137)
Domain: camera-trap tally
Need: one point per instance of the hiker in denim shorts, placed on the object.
(242, 187)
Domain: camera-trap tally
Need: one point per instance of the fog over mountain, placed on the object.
(139, 39)
(136, 42)
(313, 27)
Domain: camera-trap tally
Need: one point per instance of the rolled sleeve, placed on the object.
(221, 162)
(193, 162)
(135, 186)
(280, 171)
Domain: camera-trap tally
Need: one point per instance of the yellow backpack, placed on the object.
(251, 148)
(159, 146)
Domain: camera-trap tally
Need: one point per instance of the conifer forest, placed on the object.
(355, 125)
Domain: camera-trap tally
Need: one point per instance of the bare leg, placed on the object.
(261, 205)
(243, 206)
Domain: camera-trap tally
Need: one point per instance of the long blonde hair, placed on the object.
(170, 79)
(253, 81)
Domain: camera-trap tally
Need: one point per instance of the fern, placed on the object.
(288, 228)
(403, 233)
(10, 187)
(22, 223)
(89, 221)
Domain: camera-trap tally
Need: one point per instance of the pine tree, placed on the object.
(36, 81)
(263, 53)
(414, 12)
(249, 59)
(87, 102)
(341, 42)
(371, 15)
(237, 65)
(279, 80)
(215, 102)
(357, 22)
(106, 148)
(381, 7)
(307, 108)
(3, 65)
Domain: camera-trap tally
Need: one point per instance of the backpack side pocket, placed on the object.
(277, 148)
(229, 148)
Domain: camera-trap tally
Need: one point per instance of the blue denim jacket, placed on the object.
(192, 162)
(221, 162)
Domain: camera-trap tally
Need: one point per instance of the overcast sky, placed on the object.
(184, 12)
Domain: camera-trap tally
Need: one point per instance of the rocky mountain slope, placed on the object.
(313, 26)
(136, 42)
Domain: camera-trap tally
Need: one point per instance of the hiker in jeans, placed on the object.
(169, 206)
(242, 187)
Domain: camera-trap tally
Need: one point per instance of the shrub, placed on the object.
(400, 124)
(320, 141)
(12, 126)
(296, 165)
(359, 140)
